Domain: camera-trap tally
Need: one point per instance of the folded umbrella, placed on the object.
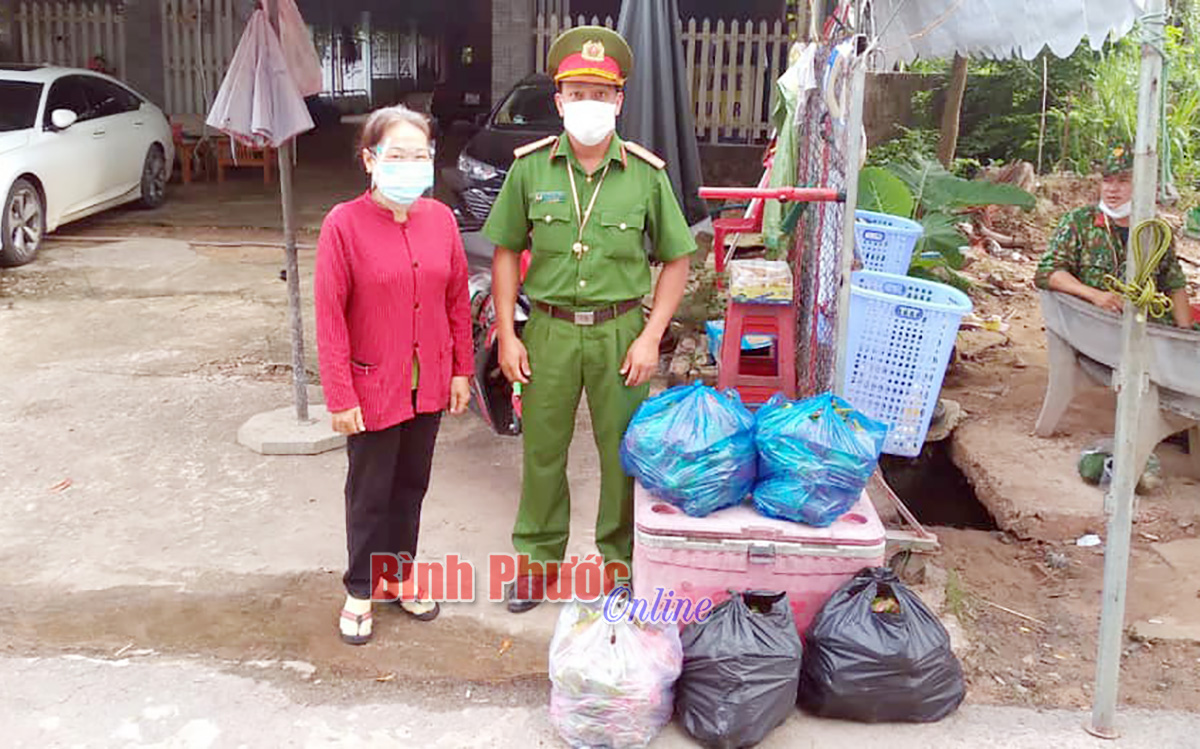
(259, 103)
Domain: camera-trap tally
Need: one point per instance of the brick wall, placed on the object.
(512, 44)
(888, 103)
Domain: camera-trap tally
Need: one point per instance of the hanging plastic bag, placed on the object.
(815, 457)
(741, 670)
(875, 653)
(693, 447)
(613, 682)
(298, 49)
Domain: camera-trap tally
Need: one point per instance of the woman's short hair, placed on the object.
(382, 120)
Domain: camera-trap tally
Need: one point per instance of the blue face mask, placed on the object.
(402, 182)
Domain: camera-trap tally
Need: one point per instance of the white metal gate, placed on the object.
(72, 34)
(198, 40)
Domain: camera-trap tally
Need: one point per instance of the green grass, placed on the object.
(956, 596)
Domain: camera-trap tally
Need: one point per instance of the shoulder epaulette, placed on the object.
(529, 148)
(645, 155)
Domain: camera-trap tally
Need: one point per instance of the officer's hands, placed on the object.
(349, 421)
(641, 361)
(460, 394)
(514, 360)
(1109, 301)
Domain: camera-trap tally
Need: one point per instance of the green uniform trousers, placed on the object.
(565, 360)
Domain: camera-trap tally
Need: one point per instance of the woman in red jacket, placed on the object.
(394, 338)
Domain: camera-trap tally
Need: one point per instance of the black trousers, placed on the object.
(385, 485)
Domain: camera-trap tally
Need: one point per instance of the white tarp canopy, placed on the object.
(931, 29)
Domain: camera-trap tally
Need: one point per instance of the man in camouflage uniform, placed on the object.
(1089, 244)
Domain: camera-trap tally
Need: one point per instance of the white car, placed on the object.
(73, 143)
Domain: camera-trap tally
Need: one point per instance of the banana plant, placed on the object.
(921, 189)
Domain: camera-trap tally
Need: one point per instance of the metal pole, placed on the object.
(854, 146)
(1132, 382)
(292, 263)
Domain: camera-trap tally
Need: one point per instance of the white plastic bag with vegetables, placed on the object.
(613, 682)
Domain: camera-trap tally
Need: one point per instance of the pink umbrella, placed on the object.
(261, 103)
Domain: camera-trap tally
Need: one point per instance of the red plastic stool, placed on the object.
(750, 378)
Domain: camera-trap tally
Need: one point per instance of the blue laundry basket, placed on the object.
(901, 333)
(885, 243)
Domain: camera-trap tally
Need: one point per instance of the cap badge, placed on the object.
(593, 51)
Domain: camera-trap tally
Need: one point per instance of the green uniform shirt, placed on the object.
(635, 201)
(1088, 246)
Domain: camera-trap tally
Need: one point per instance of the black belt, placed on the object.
(589, 316)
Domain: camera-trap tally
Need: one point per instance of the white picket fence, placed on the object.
(550, 26)
(71, 34)
(732, 68)
(733, 72)
(198, 40)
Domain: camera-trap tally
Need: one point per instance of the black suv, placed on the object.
(524, 115)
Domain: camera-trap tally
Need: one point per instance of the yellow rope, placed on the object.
(1143, 292)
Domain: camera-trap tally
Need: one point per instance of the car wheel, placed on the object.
(154, 178)
(22, 224)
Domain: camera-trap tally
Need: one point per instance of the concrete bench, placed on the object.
(1084, 342)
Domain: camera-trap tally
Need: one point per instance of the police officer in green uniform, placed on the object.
(584, 203)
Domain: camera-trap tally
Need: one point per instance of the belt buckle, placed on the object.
(585, 317)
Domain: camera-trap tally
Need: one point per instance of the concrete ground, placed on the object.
(171, 703)
(162, 586)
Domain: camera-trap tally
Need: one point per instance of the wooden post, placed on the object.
(1132, 381)
(948, 143)
(1042, 126)
(292, 263)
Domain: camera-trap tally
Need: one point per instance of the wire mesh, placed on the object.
(816, 255)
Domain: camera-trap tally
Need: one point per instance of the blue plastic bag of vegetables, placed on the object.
(693, 447)
(815, 457)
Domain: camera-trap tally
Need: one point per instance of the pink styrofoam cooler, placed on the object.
(739, 549)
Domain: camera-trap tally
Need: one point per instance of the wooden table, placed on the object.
(233, 154)
(187, 149)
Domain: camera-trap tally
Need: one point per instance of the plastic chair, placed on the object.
(758, 378)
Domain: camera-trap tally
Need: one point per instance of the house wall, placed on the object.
(8, 41)
(512, 44)
(888, 103)
(144, 50)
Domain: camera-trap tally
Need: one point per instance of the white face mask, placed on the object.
(1118, 213)
(589, 122)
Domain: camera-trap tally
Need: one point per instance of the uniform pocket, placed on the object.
(623, 231)
(553, 230)
(362, 369)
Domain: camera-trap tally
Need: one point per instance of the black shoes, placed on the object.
(525, 594)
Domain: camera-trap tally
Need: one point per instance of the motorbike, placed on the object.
(492, 396)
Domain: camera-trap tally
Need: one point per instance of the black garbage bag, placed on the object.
(741, 670)
(875, 653)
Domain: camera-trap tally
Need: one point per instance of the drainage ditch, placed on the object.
(934, 488)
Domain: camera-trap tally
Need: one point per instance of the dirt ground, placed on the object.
(1051, 662)
(1036, 569)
